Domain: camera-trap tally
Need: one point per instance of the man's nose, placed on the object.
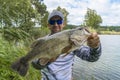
(55, 24)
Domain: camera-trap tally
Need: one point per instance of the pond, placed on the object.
(107, 67)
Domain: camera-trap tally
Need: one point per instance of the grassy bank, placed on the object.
(110, 32)
(8, 54)
(107, 32)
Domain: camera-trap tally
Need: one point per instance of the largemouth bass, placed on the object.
(51, 47)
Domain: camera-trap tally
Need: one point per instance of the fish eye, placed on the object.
(80, 28)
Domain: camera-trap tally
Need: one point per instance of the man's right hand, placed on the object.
(93, 40)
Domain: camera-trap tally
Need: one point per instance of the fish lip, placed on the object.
(87, 30)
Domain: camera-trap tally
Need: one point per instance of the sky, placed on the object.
(109, 10)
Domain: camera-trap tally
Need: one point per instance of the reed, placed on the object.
(8, 54)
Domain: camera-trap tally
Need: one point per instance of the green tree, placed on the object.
(92, 19)
(42, 10)
(15, 13)
(23, 15)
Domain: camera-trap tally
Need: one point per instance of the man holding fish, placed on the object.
(60, 68)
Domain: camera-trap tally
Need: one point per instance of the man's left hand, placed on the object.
(93, 40)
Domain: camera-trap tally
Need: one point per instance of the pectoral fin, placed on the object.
(66, 49)
(44, 61)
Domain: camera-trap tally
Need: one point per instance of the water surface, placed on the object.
(107, 67)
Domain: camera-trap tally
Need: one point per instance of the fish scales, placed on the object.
(51, 47)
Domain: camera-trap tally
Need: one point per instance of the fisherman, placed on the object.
(60, 68)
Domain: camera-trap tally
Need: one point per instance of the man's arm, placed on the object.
(88, 54)
(91, 52)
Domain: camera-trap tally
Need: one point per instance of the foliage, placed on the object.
(92, 19)
(14, 34)
(42, 10)
(39, 32)
(44, 20)
(22, 16)
(70, 26)
(8, 54)
(92, 29)
(15, 13)
(110, 32)
(110, 28)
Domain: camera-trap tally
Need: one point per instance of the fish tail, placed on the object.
(21, 66)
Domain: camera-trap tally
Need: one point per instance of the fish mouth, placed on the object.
(87, 30)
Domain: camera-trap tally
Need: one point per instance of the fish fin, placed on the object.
(53, 59)
(66, 49)
(21, 67)
(44, 61)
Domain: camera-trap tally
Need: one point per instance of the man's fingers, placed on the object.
(92, 35)
(94, 45)
(93, 39)
(93, 42)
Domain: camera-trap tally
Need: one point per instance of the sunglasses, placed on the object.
(52, 22)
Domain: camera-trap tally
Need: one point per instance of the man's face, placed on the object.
(55, 24)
